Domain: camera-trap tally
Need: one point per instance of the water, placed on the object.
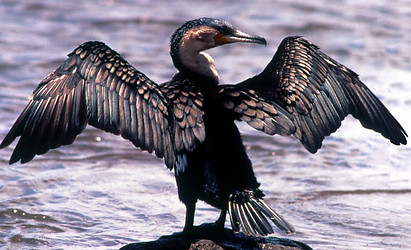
(101, 192)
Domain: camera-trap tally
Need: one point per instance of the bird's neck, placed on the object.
(198, 62)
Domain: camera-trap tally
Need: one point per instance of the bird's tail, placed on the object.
(250, 214)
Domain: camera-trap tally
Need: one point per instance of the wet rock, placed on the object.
(229, 240)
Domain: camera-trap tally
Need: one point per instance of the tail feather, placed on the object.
(262, 222)
(245, 221)
(234, 216)
(274, 216)
(249, 213)
(256, 220)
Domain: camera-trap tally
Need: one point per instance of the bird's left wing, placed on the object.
(305, 93)
(317, 93)
(95, 85)
(259, 113)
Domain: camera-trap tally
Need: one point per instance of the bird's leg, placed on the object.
(213, 230)
(190, 210)
(206, 230)
(219, 223)
(216, 228)
(189, 230)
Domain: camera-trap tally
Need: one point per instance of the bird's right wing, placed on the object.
(187, 123)
(95, 85)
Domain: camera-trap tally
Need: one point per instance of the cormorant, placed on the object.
(189, 120)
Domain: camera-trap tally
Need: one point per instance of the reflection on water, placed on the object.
(101, 192)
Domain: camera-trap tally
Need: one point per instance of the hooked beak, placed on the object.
(238, 36)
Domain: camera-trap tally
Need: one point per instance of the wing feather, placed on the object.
(259, 113)
(318, 93)
(96, 86)
(188, 111)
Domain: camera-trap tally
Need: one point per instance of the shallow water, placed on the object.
(101, 192)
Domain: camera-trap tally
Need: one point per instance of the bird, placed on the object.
(189, 121)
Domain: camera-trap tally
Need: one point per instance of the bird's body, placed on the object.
(189, 120)
(219, 165)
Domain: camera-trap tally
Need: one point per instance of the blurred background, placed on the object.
(101, 192)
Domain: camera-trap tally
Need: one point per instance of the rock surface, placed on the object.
(229, 240)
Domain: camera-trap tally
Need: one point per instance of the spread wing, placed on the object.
(318, 93)
(95, 85)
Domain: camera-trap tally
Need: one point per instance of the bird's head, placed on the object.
(201, 34)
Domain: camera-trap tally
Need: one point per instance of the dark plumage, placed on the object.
(189, 121)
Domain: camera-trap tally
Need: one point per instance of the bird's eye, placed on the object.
(205, 35)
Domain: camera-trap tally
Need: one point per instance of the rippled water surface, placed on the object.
(101, 192)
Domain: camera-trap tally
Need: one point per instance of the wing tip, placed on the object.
(5, 143)
(9, 138)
